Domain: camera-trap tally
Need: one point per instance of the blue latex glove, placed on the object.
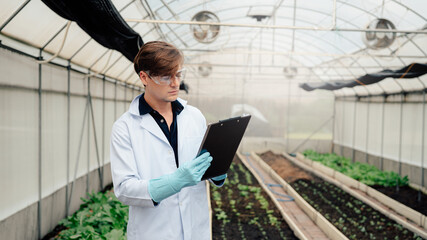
(188, 174)
(220, 177)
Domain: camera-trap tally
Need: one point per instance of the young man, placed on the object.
(153, 153)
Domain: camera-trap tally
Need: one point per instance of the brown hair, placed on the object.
(159, 58)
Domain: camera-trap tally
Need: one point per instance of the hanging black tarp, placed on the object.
(411, 71)
(101, 20)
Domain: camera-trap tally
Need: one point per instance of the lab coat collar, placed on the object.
(134, 106)
(148, 122)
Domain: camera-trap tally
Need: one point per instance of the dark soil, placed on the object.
(352, 217)
(245, 216)
(407, 196)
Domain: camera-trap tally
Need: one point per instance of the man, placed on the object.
(153, 153)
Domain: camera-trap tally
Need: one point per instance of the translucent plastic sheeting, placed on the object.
(374, 128)
(19, 134)
(78, 83)
(54, 142)
(344, 119)
(54, 78)
(96, 150)
(18, 149)
(110, 118)
(96, 87)
(109, 90)
(17, 70)
(384, 134)
(20, 130)
(78, 137)
(412, 134)
(38, 28)
(361, 123)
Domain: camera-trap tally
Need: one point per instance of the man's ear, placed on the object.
(143, 77)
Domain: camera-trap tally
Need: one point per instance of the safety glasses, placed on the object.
(166, 80)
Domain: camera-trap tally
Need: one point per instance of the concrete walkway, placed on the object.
(305, 228)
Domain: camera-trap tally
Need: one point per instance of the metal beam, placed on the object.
(273, 26)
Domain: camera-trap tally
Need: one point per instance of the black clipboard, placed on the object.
(221, 140)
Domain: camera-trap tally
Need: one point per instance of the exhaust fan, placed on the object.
(205, 33)
(205, 69)
(378, 40)
(290, 72)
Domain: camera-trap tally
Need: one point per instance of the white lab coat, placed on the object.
(140, 152)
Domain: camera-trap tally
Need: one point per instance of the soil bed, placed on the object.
(407, 196)
(351, 216)
(241, 210)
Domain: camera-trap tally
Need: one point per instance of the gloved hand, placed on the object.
(188, 174)
(220, 177)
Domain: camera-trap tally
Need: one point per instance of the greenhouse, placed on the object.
(334, 92)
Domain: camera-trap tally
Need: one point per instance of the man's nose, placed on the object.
(174, 81)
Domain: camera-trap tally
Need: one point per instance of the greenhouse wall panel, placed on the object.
(374, 128)
(374, 160)
(413, 172)
(54, 142)
(347, 126)
(398, 148)
(391, 134)
(94, 182)
(78, 137)
(122, 105)
(109, 120)
(18, 150)
(54, 78)
(339, 120)
(78, 189)
(347, 152)
(78, 83)
(11, 227)
(109, 89)
(106, 172)
(17, 70)
(412, 134)
(53, 209)
(96, 133)
(360, 126)
(95, 87)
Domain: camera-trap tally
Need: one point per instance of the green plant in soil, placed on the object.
(243, 211)
(101, 216)
(365, 173)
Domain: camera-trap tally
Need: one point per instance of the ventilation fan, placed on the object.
(205, 69)
(378, 40)
(205, 33)
(290, 72)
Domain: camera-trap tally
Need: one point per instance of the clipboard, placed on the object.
(221, 140)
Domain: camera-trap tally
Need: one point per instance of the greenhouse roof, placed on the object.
(308, 41)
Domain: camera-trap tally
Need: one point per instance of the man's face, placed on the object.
(158, 89)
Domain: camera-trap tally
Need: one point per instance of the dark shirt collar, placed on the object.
(144, 108)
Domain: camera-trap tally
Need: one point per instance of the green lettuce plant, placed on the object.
(101, 216)
(365, 173)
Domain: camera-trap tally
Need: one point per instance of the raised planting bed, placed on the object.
(383, 181)
(241, 210)
(355, 219)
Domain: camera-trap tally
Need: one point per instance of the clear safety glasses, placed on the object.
(166, 80)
